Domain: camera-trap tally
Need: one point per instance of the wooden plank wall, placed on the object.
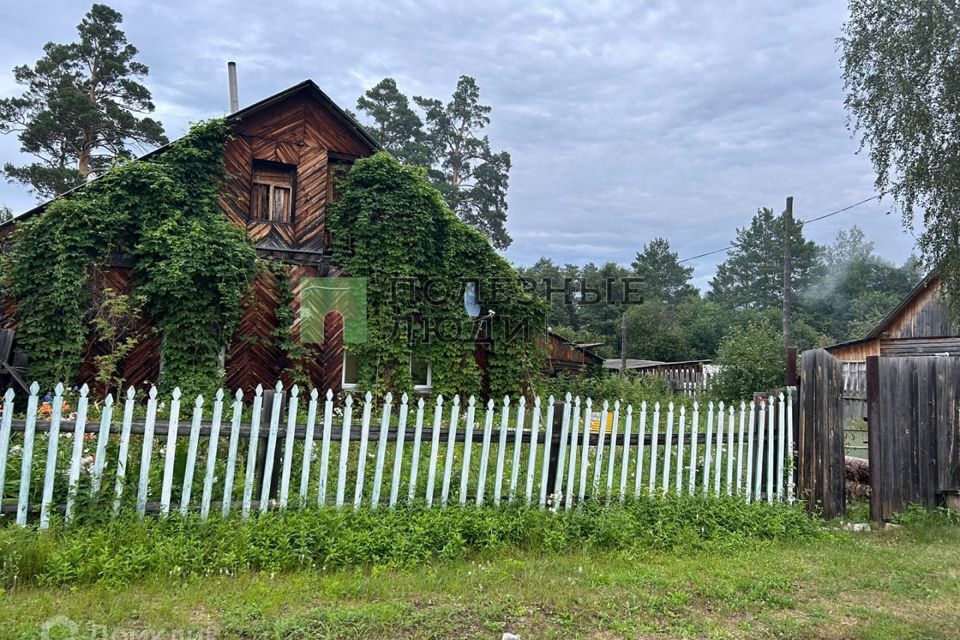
(820, 471)
(913, 432)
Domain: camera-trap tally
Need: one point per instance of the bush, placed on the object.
(752, 358)
(125, 549)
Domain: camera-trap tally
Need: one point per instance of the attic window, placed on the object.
(273, 192)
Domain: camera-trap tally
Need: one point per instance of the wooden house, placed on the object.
(282, 160)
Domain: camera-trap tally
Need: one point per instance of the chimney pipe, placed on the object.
(232, 74)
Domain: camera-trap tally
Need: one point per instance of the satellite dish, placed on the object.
(471, 301)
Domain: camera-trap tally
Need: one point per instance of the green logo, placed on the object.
(346, 296)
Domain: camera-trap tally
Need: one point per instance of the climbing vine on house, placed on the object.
(192, 266)
(394, 229)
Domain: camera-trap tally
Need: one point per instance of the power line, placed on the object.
(824, 216)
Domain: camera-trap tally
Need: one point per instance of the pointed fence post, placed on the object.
(146, 452)
(166, 487)
(190, 467)
(232, 451)
(73, 481)
(50, 474)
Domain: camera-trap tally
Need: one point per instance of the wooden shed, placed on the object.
(282, 159)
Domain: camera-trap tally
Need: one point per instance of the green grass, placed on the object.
(901, 584)
(698, 568)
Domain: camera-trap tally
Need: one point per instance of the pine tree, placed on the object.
(79, 110)
(449, 141)
(665, 280)
(752, 275)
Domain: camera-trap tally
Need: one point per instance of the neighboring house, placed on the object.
(919, 326)
(282, 160)
(568, 357)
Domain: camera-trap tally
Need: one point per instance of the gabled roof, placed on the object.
(308, 87)
(894, 314)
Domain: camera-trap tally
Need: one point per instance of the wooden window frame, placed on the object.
(344, 385)
(278, 167)
(422, 388)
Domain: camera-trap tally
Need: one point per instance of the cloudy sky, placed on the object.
(625, 120)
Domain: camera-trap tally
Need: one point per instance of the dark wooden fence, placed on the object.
(820, 472)
(914, 436)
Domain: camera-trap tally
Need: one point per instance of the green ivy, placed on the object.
(192, 265)
(391, 226)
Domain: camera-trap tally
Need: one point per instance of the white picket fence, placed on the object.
(556, 457)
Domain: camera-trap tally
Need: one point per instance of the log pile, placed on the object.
(857, 472)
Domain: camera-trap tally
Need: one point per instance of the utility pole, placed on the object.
(787, 268)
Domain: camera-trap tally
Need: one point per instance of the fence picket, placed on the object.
(694, 447)
(680, 444)
(451, 445)
(50, 473)
(251, 470)
(146, 452)
(434, 449)
(667, 450)
(654, 447)
(485, 451)
(190, 467)
(781, 444)
(585, 449)
(612, 457)
(501, 449)
(729, 485)
(415, 460)
(344, 450)
(625, 464)
(103, 435)
(233, 447)
(532, 454)
(718, 449)
(547, 449)
(362, 454)
(381, 449)
(212, 445)
(398, 452)
(266, 481)
(601, 444)
(6, 427)
(308, 439)
(26, 464)
(123, 453)
(166, 486)
(288, 447)
(574, 443)
(325, 448)
(467, 446)
(641, 441)
(517, 442)
(790, 453)
(770, 443)
(748, 479)
(761, 427)
(708, 449)
(73, 479)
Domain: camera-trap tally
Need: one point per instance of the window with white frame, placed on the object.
(421, 373)
(350, 370)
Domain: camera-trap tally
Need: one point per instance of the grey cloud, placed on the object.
(625, 120)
